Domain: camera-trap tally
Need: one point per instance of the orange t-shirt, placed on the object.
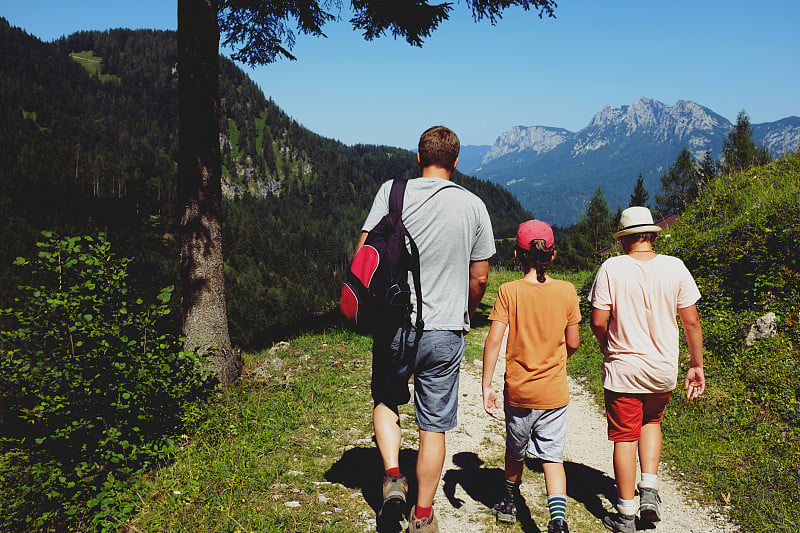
(536, 352)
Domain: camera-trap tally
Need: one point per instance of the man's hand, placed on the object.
(695, 382)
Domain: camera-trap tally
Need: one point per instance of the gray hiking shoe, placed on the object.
(506, 511)
(648, 505)
(621, 523)
(422, 525)
(395, 490)
(557, 526)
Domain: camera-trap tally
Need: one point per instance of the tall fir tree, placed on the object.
(680, 184)
(640, 196)
(739, 150)
(708, 168)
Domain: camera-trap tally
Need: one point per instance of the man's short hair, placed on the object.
(438, 146)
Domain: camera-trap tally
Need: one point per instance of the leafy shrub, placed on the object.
(92, 387)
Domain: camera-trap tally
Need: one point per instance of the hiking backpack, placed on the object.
(376, 292)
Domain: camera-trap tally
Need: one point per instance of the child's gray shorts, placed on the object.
(544, 429)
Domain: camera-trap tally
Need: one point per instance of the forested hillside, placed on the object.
(88, 143)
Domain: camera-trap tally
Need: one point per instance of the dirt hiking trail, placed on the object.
(470, 487)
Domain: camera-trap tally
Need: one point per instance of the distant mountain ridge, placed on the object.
(553, 171)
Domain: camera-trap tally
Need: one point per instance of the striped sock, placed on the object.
(557, 503)
(511, 489)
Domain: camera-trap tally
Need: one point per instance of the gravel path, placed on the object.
(470, 486)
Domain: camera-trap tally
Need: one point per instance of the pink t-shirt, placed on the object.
(643, 337)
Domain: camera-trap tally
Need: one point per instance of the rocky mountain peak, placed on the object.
(538, 139)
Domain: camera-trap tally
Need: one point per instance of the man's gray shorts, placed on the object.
(545, 429)
(435, 367)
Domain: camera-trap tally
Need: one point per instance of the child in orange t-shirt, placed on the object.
(542, 316)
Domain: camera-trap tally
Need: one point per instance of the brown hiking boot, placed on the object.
(395, 489)
(428, 524)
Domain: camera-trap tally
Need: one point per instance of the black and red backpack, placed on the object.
(376, 292)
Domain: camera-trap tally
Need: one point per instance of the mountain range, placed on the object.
(553, 171)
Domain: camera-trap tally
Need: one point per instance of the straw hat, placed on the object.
(636, 219)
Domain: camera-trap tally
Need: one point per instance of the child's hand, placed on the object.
(695, 383)
(490, 402)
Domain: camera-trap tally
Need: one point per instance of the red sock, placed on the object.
(393, 472)
(422, 512)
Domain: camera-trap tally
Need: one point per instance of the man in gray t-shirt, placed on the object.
(452, 230)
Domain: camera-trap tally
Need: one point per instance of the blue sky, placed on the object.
(481, 80)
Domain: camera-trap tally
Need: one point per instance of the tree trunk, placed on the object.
(205, 321)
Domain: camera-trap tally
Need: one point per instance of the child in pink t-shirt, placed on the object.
(635, 299)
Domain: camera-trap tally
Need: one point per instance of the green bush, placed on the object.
(93, 388)
(741, 240)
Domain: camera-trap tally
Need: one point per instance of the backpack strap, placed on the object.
(396, 197)
(419, 325)
(396, 201)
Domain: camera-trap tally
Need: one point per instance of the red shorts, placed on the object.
(627, 413)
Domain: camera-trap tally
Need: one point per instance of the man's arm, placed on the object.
(478, 278)
(600, 327)
(695, 382)
(361, 240)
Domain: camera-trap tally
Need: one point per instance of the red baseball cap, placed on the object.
(534, 229)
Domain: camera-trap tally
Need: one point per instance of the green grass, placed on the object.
(269, 441)
(93, 65)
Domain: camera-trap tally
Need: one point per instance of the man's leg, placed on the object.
(430, 463)
(386, 422)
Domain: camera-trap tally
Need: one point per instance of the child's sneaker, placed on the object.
(621, 523)
(648, 504)
(557, 526)
(506, 511)
(429, 524)
(395, 489)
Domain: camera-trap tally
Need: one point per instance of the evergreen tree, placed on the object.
(579, 244)
(598, 223)
(680, 184)
(739, 150)
(268, 152)
(708, 168)
(640, 195)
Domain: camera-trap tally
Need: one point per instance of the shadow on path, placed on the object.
(362, 468)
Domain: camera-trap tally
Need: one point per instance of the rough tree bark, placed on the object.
(205, 321)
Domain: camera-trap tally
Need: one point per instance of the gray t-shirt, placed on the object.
(451, 227)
